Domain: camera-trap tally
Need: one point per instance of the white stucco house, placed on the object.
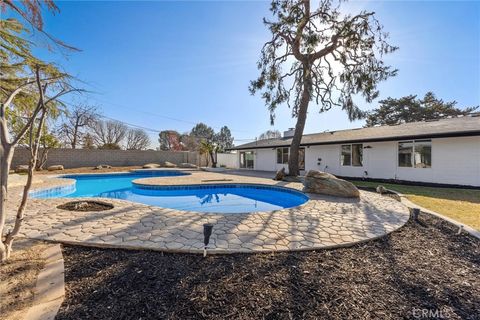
(444, 151)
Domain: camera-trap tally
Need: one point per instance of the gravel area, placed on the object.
(424, 268)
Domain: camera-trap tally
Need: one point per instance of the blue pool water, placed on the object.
(226, 198)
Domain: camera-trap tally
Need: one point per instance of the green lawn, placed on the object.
(462, 205)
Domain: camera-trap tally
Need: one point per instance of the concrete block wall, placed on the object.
(75, 158)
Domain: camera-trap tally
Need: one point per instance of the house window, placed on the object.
(415, 154)
(301, 159)
(352, 155)
(405, 154)
(282, 155)
(346, 157)
(247, 160)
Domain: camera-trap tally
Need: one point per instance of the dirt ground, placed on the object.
(18, 278)
(423, 268)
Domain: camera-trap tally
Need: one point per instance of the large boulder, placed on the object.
(167, 164)
(102, 166)
(23, 168)
(326, 183)
(280, 175)
(381, 189)
(55, 167)
(151, 166)
(187, 165)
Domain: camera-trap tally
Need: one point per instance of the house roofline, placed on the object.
(396, 138)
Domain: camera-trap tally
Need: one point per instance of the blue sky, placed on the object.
(168, 65)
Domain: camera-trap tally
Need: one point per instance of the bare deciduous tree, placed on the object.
(48, 141)
(137, 139)
(270, 134)
(75, 122)
(87, 142)
(108, 134)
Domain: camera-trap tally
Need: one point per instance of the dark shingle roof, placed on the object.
(454, 127)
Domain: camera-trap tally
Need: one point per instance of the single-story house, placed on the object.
(443, 151)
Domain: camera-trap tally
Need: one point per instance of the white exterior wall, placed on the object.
(381, 160)
(265, 159)
(329, 155)
(454, 161)
(229, 160)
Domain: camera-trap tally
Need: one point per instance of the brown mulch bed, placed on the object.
(18, 278)
(86, 206)
(424, 267)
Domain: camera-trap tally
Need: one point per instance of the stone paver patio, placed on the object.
(322, 222)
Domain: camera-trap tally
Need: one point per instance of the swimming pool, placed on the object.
(218, 198)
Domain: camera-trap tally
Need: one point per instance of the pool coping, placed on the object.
(181, 231)
(70, 182)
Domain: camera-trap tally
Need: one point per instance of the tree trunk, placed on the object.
(207, 159)
(301, 119)
(42, 160)
(21, 209)
(75, 135)
(214, 161)
(34, 147)
(6, 154)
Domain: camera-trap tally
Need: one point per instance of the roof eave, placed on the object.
(382, 139)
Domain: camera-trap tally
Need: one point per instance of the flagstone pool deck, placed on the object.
(322, 222)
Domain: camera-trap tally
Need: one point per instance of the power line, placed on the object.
(140, 127)
(159, 115)
(154, 130)
(131, 124)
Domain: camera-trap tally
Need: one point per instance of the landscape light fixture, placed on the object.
(460, 229)
(415, 213)
(207, 232)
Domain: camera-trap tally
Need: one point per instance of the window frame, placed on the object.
(351, 148)
(281, 155)
(413, 163)
(246, 162)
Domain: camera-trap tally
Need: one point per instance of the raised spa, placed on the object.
(217, 198)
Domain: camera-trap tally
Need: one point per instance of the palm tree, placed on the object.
(209, 149)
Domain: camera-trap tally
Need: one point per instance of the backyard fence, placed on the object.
(76, 158)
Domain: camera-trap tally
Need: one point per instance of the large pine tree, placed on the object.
(323, 55)
(410, 109)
